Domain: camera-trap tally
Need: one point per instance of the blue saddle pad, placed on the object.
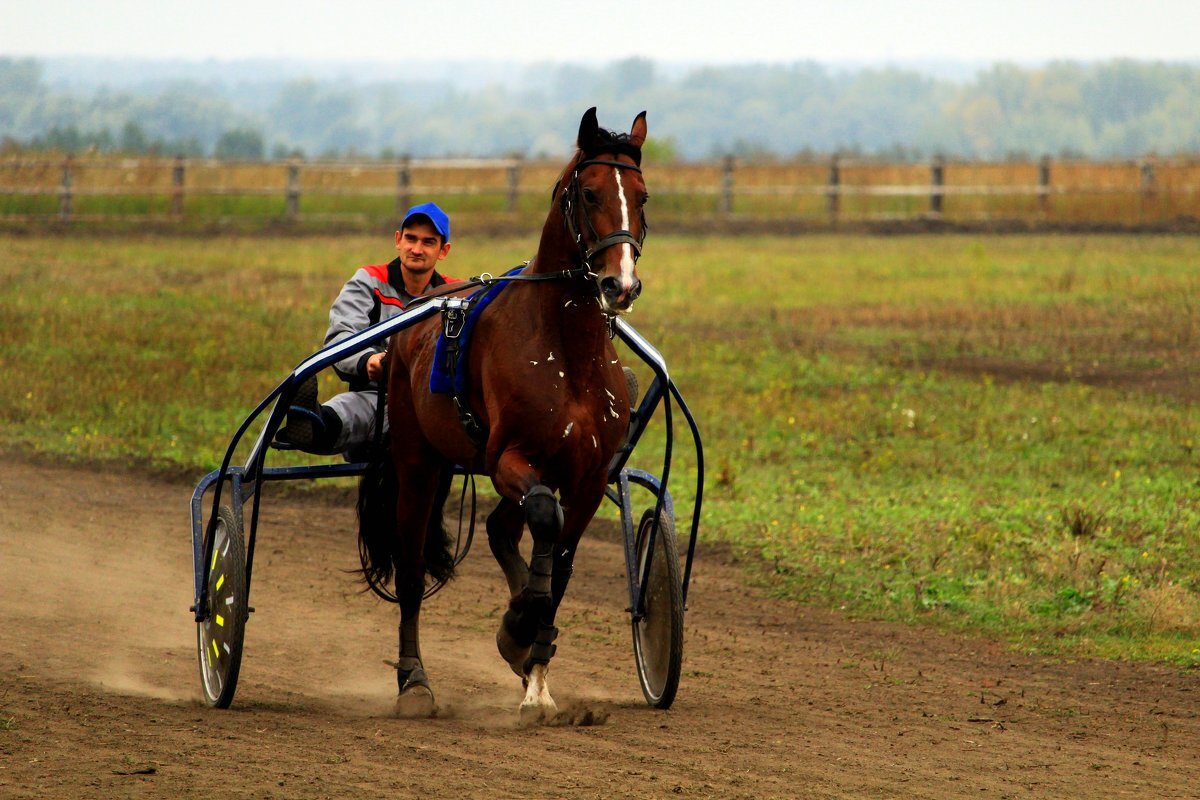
(441, 381)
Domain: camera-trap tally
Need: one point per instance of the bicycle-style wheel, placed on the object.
(658, 634)
(219, 637)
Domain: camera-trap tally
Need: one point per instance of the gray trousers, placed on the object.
(356, 410)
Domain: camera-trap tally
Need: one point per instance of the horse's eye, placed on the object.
(643, 199)
(590, 197)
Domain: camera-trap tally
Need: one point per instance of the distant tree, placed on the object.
(1119, 108)
(281, 152)
(133, 139)
(660, 151)
(68, 139)
(241, 143)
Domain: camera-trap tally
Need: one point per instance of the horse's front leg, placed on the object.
(538, 704)
(527, 632)
(534, 610)
(504, 527)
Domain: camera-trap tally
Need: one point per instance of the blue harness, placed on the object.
(449, 372)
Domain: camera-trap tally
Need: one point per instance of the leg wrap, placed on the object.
(543, 513)
(564, 567)
(410, 646)
(409, 671)
(541, 568)
(543, 647)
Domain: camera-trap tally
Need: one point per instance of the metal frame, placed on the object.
(246, 480)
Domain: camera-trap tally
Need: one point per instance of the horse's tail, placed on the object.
(378, 537)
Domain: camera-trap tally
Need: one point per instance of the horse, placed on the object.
(546, 410)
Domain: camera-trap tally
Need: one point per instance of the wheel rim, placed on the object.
(219, 636)
(658, 635)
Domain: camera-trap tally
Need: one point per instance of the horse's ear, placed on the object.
(589, 130)
(637, 134)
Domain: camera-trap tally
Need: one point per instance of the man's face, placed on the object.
(420, 247)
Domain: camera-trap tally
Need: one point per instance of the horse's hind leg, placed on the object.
(417, 518)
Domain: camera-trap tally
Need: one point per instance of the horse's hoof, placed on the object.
(538, 713)
(511, 651)
(415, 698)
(415, 702)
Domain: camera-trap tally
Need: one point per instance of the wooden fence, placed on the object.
(828, 193)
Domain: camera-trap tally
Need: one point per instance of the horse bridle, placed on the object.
(571, 202)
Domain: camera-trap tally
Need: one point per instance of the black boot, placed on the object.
(305, 424)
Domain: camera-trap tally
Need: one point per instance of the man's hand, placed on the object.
(375, 366)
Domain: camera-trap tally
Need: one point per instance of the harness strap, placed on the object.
(455, 312)
(616, 237)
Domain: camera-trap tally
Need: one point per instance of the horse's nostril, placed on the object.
(635, 291)
(611, 287)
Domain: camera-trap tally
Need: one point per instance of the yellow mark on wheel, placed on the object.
(216, 652)
(214, 564)
(219, 620)
(220, 582)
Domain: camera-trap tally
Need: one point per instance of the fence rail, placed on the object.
(177, 191)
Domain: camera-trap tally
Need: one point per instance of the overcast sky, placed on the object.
(712, 31)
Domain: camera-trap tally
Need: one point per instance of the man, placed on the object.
(374, 293)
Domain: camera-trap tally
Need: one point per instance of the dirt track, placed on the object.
(99, 695)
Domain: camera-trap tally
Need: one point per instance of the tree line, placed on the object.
(1109, 109)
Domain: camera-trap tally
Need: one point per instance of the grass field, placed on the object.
(989, 434)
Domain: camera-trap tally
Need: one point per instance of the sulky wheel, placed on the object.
(658, 636)
(219, 637)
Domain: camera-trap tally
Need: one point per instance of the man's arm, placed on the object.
(349, 314)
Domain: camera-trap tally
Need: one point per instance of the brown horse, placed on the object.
(546, 410)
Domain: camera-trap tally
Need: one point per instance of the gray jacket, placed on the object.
(373, 294)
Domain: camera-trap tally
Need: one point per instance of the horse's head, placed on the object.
(603, 205)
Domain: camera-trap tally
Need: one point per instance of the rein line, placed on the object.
(488, 279)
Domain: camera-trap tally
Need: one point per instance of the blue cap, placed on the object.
(441, 222)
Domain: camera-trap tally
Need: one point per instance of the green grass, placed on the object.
(996, 435)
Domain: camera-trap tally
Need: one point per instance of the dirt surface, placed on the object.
(99, 694)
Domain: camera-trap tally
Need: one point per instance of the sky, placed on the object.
(670, 31)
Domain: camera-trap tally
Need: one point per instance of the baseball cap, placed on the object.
(441, 222)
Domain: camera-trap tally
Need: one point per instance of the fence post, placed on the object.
(514, 179)
(833, 190)
(293, 191)
(725, 196)
(1043, 193)
(177, 188)
(403, 187)
(64, 191)
(1148, 190)
(937, 180)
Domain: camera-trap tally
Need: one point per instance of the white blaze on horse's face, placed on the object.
(617, 272)
(627, 262)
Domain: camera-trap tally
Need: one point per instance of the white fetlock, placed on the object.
(538, 705)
